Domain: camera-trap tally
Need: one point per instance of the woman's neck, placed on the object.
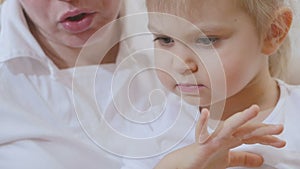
(71, 57)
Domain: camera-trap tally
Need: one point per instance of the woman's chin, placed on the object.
(76, 43)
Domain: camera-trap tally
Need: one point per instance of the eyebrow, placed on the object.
(197, 29)
(211, 28)
(157, 30)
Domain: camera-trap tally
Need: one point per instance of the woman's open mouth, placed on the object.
(77, 17)
(77, 21)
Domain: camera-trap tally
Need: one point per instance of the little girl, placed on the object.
(228, 55)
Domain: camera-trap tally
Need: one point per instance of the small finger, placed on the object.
(265, 130)
(238, 119)
(266, 140)
(257, 129)
(244, 159)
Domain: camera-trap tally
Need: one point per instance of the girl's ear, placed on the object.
(277, 31)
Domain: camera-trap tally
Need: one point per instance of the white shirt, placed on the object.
(46, 115)
(172, 130)
(287, 113)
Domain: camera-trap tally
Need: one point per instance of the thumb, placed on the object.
(244, 159)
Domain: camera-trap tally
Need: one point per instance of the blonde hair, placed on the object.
(262, 12)
(1, 1)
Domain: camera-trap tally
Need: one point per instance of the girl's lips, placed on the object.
(77, 21)
(190, 88)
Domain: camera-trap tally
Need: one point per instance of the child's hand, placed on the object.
(213, 151)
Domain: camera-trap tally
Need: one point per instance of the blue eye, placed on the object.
(207, 41)
(165, 40)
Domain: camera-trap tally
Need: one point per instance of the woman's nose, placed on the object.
(184, 66)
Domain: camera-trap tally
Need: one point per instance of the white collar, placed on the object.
(16, 39)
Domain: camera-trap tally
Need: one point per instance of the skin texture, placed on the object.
(227, 51)
(213, 151)
(46, 14)
(61, 45)
(190, 59)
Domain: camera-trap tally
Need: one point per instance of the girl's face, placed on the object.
(227, 52)
(70, 22)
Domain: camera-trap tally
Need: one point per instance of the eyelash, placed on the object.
(203, 41)
(207, 41)
(165, 40)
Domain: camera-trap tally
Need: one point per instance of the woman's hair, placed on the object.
(1, 1)
(262, 12)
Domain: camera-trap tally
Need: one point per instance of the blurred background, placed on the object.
(294, 66)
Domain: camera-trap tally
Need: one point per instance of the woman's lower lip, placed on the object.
(78, 26)
(191, 89)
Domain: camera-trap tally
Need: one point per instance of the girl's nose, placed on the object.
(184, 67)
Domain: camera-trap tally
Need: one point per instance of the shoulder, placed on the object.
(291, 90)
(290, 94)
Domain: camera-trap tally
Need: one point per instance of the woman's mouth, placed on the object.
(77, 17)
(77, 21)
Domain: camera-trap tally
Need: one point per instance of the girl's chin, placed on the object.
(201, 102)
(196, 101)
